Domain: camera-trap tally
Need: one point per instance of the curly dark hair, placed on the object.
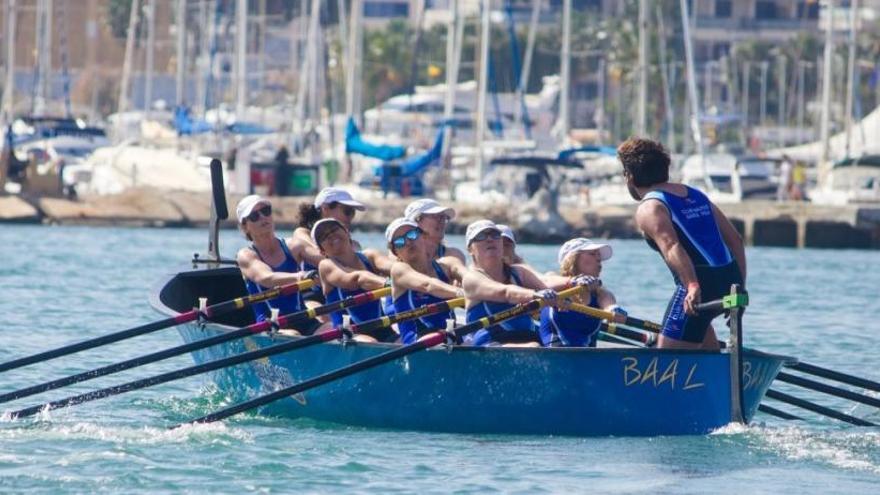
(645, 160)
(308, 215)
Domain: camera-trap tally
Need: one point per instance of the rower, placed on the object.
(491, 285)
(700, 246)
(331, 202)
(346, 272)
(432, 218)
(270, 262)
(580, 262)
(508, 241)
(417, 280)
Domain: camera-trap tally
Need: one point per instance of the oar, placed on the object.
(828, 389)
(189, 316)
(430, 340)
(325, 336)
(776, 412)
(816, 408)
(618, 318)
(611, 327)
(263, 326)
(835, 375)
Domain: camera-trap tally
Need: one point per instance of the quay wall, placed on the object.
(762, 223)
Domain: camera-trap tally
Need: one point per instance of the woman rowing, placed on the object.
(417, 280)
(346, 272)
(331, 202)
(491, 286)
(269, 261)
(432, 218)
(579, 259)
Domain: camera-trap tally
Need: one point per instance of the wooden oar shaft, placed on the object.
(816, 408)
(182, 373)
(387, 321)
(828, 389)
(835, 375)
(186, 317)
(429, 341)
(648, 339)
(256, 328)
(778, 413)
(618, 318)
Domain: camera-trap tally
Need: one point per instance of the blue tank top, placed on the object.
(285, 304)
(569, 328)
(695, 226)
(519, 324)
(410, 299)
(359, 314)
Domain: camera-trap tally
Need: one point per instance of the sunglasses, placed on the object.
(487, 234)
(348, 211)
(412, 235)
(255, 215)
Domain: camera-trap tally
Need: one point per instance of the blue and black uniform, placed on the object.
(569, 328)
(714, 264)
(315, 293)
(411, 330)
(363, 312)
(285, 304)
(519, 329)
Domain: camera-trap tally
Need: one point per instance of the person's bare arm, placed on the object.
(334, 275)
(404, 277)
(733, 240)
(606, 299)
(381, 262)
(255, 270)
(531, 279)
(454, 267)
(653, 219)
(479, 287)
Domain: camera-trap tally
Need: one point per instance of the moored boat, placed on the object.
(542, 391)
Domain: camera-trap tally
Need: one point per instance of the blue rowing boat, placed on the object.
(539, 391)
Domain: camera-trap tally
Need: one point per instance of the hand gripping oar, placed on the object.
(263, 326)
(233, 360)
(611, 327)
(618, 318)
(189, 316)
(426, 342)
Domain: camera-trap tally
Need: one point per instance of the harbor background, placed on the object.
(67, 283)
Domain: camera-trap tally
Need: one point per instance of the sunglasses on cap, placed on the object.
(487, 234)
(255, 215)
(347, 210)
(411, 235)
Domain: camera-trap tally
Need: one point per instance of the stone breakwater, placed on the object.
(761, 223)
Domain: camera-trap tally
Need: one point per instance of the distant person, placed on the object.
(702, 249)
(784, 181)
(580, 261)
(417, 280)
(346, 272)
(432, 218)
(508, 240)
(798, 182)
(270, 262)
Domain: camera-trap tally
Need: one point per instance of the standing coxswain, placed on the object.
(700, 246)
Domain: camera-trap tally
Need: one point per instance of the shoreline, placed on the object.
(762, 223)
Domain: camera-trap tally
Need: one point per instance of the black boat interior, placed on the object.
(183, 291)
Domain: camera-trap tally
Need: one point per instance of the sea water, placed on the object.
(63, 284)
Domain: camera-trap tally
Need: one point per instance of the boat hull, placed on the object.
(534, 391)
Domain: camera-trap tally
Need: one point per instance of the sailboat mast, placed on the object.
(825, 127)
(151, 51)
(481, 95)
(563, 123)
(181, 52)
(129, 55)
(523, 85)
(692, 91)
(351, 62)
(642, 109)
(851, 70)
(451, 77)
(664, 72)
(9, 87)
(241, 58)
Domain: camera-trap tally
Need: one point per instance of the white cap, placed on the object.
(579, 244)
(428, 206)
(396, 224)
(324, 221)
(506, 231)
(337, 195)
(247, 204)
(477, 227)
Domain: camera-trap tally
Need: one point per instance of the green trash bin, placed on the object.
(302, 180)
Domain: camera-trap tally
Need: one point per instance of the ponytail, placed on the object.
(308, 215)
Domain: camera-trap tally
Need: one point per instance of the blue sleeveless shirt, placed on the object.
(410, 299)
(285, 304)
(695, 226)
(359, 314)
(569, 328)
(521, 325)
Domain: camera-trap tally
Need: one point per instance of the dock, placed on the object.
(762, 223)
